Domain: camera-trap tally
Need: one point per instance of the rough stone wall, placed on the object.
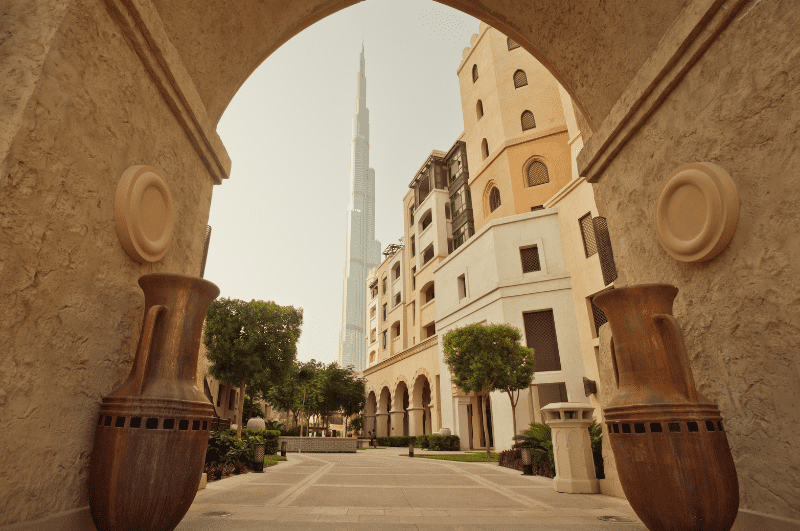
(71, 308)
(740, 313)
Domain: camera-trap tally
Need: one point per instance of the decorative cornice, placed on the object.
(687, 39)
(407, 353)
(145, 32)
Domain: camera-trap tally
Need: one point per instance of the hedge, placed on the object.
(433, 441)
(513, 459)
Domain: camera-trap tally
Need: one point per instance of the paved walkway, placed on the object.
(379, 489)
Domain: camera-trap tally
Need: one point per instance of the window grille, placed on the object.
(520, 79)
(599, 318)
(538, 207)
(530, 259)
(512, 45)
(540, 335)
(474, 73)
(494, 199)
(587, 231)
(385, 312)
(527, 120)
(603, 240)
(537, 174)
(385, 339)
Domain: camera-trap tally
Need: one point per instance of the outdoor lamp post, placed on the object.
(410, 448)
(283, 448)
(527, 462)
(258, 458)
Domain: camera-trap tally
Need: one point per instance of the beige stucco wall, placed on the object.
(72, 308)
(498, 292)
(740, 313)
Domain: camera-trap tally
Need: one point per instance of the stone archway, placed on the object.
(71, 305)
(399, 412)
(420, 411)
(370, 409)
(382, 422)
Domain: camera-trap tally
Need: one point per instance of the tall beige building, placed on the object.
(495, 231)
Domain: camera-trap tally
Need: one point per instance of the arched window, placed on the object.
(537, 174)
(484, 148)
(474, 73)
(520, 79)
(527, 120)
(512, 44)
(479, 109)
(494, 199)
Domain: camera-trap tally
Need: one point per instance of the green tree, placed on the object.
(250, 342)
(357, 424)
(251, 408)
(342, 391)
(485, 358)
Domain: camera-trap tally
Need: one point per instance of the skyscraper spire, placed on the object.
(363, 251)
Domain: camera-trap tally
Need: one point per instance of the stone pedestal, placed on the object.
(397, 423)
(415, 424)
(572, 448)
(382, 428)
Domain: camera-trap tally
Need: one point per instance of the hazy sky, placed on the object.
(279, 222)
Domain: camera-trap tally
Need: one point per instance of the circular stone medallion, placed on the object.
(697, 212)
(144, 214)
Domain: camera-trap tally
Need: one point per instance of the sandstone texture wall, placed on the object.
(71, 307)
(740, 313)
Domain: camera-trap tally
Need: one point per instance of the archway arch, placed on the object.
(222, 44)
(420, 410)
(399, 412)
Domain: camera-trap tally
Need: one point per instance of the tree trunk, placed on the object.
(514, 411)
(251, 408)
(241, 407)
(486, 425)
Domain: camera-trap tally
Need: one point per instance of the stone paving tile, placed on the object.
(434, 512)
(338, 518)
(563, 500)
(403, 512)
(244, 495)
(353, 479)
(365, 511)
(443, 479)
(338, 497)
(328, 510)
(292, 479)
(378, 519)
(458, 498)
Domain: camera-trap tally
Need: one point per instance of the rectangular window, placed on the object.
(373, 335)
(530, 259)
(598, 317)
(449, 246)
(413, 278)
(462, 286)
(411, 216)
(219, 395)
(397, 299)
(587, 231)
(232, 400)
(385, 339)
(540, 335)
(385, 312)
(384, 285)
(430, 330)
(413, 248)
(413, 312)
(538, 207)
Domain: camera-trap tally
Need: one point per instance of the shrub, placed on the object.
(596, 437)
(510, 459)
(270, 438)
(539, 439)
(438, 442)
(290, 432)
(224, 448)
(421, 442)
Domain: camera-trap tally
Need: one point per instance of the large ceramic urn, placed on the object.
(669, 442)
(152, 431)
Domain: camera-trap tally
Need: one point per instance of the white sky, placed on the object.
(279, 222)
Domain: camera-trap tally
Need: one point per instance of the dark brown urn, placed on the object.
(672, 454)
(152, 431)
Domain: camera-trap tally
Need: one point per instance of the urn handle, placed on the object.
(614, 363)
(671, 336)
(146, 345)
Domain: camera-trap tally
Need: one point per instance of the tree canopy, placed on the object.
(486, 358)
(251, 343)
